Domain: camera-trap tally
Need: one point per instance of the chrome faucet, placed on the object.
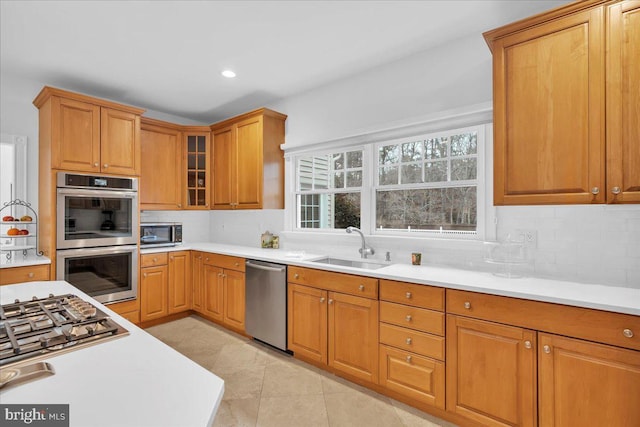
(364, 250)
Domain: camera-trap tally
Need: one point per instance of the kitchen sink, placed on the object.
(367, 265)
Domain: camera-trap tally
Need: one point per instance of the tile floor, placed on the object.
(264, 387)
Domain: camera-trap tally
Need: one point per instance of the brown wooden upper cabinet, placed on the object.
(161, 177)
(553, 141)
(85, 134)
(197, 158)
(248, 164)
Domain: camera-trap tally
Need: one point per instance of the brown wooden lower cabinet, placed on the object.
(197, 282)
(165, 286)
(153, 292)
(491, 372)
(24, 274)
(179, 298)
(307, 322)
(581, 383)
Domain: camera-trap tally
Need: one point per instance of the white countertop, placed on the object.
(17, 260)
(609, 298)
(135, 380)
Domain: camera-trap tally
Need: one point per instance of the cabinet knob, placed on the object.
(106, 165)
(527, 344)
(408, 318)
(546, 349)
(467, 305)
(361, 287)
(179, 205)
(408, 359)
(95, 165)
(144, 274)
(237, 264)
(31, 275)
(408, 295)
(322, 299)
(595, 190)
(408, 341)
(206, 259)
(171, 258)
(628, 333)
(330, 301)
(155, 259)
(296, 276)
(206, 204)
(615, 190)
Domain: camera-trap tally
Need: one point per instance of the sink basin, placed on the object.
(367, 265)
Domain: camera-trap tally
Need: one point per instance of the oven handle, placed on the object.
(65, 253)
(96, 193)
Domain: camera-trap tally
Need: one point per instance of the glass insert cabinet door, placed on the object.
(198, 170)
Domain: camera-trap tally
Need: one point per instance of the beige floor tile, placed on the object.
(412, 417)
(298, 411)
(239, 356)
(358, 409)
(242, 383)
(334, 384)
(237, 413)
(285, 379)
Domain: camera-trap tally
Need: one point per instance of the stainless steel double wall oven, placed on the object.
(98, 235)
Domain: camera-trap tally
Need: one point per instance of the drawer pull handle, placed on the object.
(408, 359)
(296, 276)
(408, 294)
(547, 349)
(527, 344)
(330, 301)
(467, 305)
(595, 191)
(155, 260)
(322, 299)
(31, 275)
(408, 318)
(361, 287)
(628, 333)
(408, 341)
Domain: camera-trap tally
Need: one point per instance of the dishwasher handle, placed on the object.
(264, 267)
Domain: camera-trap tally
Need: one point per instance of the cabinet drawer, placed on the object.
(412, 317)
(151, 260)
(593, 325)
(345, 283)
(24, 274)
(412, 375)
(413, 341)
(412, 294)
(224, 261)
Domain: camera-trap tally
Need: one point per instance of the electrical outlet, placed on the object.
(528, 237)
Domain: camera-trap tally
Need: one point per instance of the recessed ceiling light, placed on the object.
(228, 74)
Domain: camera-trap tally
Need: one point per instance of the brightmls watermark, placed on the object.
(34, 415)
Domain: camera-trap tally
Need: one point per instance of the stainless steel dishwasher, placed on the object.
(266, 302)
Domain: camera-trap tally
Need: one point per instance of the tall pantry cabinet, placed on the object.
(566, 96)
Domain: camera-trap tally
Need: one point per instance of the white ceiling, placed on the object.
(167, 55)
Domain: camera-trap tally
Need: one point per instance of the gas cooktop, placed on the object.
(47, 326)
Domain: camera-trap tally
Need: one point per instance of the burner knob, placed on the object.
(44, 342)
(90, 330)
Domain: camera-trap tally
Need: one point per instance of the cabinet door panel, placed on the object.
(549, 110)
(234, 299)
(120, 142)
(587, 384)
(161, 168)
(78, 136)
(224, 166)
(623, 103)
(307, 322)
(353, 336)
(249, 174)
(179, 282)
(197, 280)
(153, 293)
(491, 375)
(213, 284)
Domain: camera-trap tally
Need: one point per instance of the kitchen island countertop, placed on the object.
(134, 380)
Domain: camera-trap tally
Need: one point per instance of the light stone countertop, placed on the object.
(131, 381)
(609, 298)
(17, 260)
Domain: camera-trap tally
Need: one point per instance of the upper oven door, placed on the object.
(87, 218)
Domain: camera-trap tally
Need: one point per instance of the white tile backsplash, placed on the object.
(195, 224)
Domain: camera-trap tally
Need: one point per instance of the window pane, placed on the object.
(435, 171)
(354, 159)
(411, 174)
(462, 169)
(329, 210)
(305, 173)
(427, 209)
(347, 210)
(388, 155)
(338, 180)
(411, 151)
(462, 145)
(354, 179)
(338, 161)
(435, 148)
(388, 175)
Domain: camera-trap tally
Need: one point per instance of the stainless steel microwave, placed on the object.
(158, 234)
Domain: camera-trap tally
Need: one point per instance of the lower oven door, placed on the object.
(107, 274)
